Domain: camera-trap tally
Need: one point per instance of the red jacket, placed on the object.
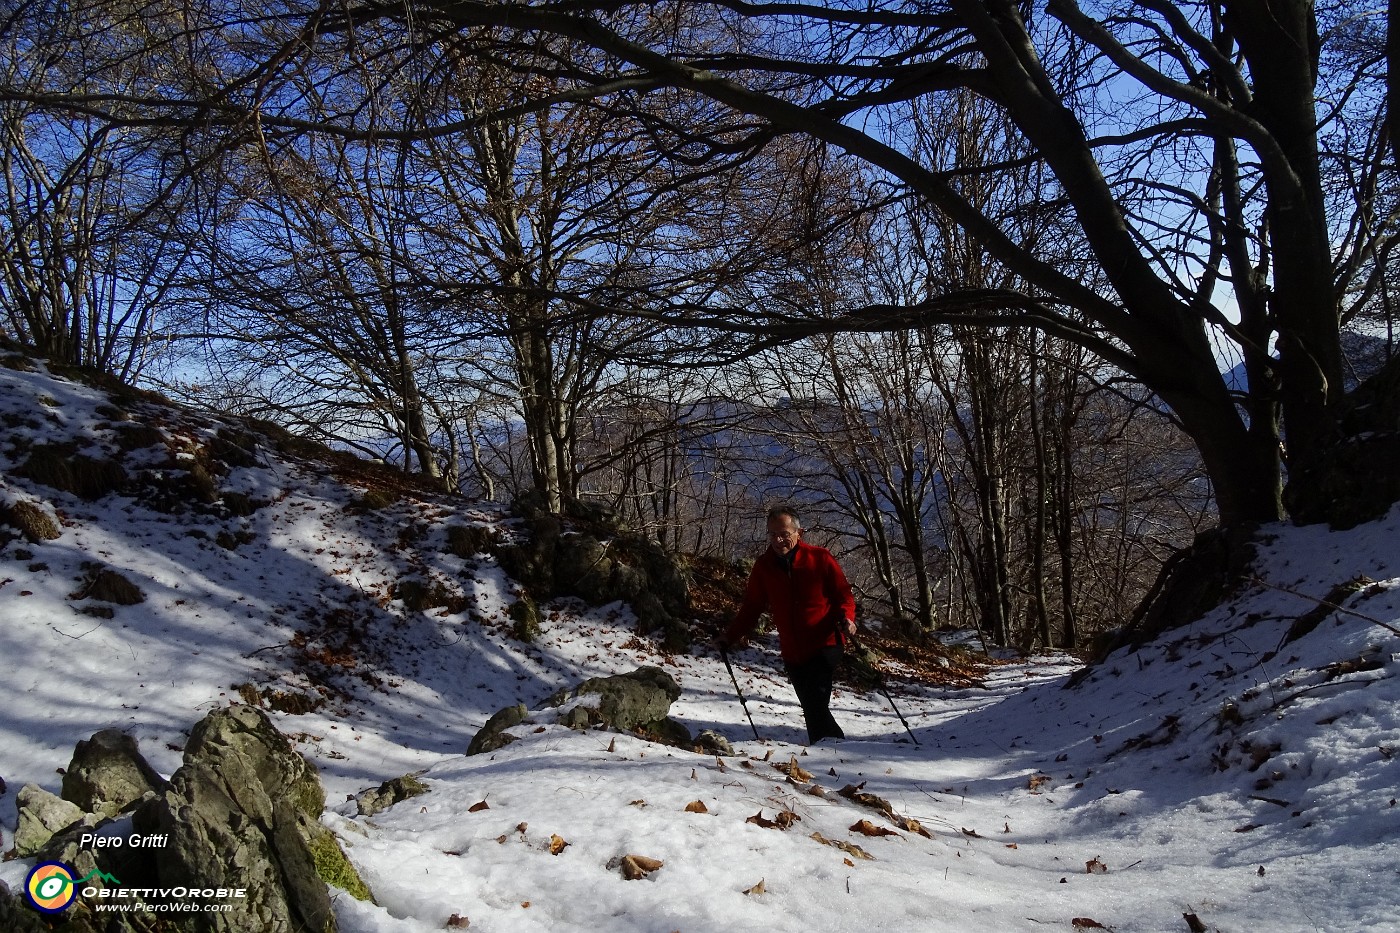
(806, 603)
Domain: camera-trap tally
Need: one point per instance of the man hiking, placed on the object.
(802, 587)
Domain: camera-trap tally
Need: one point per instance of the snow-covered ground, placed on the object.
(1217, 773)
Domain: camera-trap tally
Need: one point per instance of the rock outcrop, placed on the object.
(638, 701)
(107, 773)
(241, 813)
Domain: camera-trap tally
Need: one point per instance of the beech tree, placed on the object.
(1183, 138)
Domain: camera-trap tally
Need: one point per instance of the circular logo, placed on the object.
(50, 887)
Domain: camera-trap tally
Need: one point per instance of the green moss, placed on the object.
(335, 869)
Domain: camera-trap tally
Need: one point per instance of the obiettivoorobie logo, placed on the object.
(51, 886)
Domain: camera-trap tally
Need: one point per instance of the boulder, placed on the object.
(16, 916)
(41, 816)
(635, 700)
(243, 811)
(372, 801)
(493, 735)
(107, 773)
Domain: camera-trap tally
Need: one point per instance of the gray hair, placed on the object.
(783, 511)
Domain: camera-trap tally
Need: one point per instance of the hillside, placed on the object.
(157, 563)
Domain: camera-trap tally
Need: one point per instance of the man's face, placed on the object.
(782, 534)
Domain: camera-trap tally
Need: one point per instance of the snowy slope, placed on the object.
(1214, 773)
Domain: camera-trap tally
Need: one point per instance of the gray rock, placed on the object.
(42, 815)
(713, 743)
(493, 735)
(16, 916)
(389, 793)
(243, 812)
(107, 773)
(635, 700)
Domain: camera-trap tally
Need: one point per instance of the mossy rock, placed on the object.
(109, 586)
(132, 436)
(332, 865)
(466, 541)
(235, 448)
(420, 595)
(627, 701)
(393, 791)
(57, 466)
(525, 613)
(493, 735)
(240, 505)
(374, 500)
(32, 521)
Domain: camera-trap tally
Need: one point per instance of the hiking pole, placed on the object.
(880, 684)
(724, 653)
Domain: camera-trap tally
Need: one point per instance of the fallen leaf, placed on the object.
(757, 889)
(478, 807)
(867, 828)
(612, 745)
(1012, 845)
(1193, 923)
(696, 806)
(637, 803)
(758, 819)
(848, 847)
(458, 921)
(911, 825)
(1085, 923)
(635, 867)
(557, 845)
(1037, 781)
(970, 833)
(793, 770)
(1095, 867)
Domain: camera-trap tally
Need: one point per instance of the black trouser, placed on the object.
(812, 681)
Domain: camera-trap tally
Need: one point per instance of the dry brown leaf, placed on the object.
(1085, 923)
(635, 867)
(478, 807)
(793, 770)
(759, 888)
(867, 828)
(1095, 867)
(970, 833)
(612, 745)
(457, 921)
(910, 825)
(848, 847)
(783, 820)
(557, 845)
(696, 806)
(1037, 781)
